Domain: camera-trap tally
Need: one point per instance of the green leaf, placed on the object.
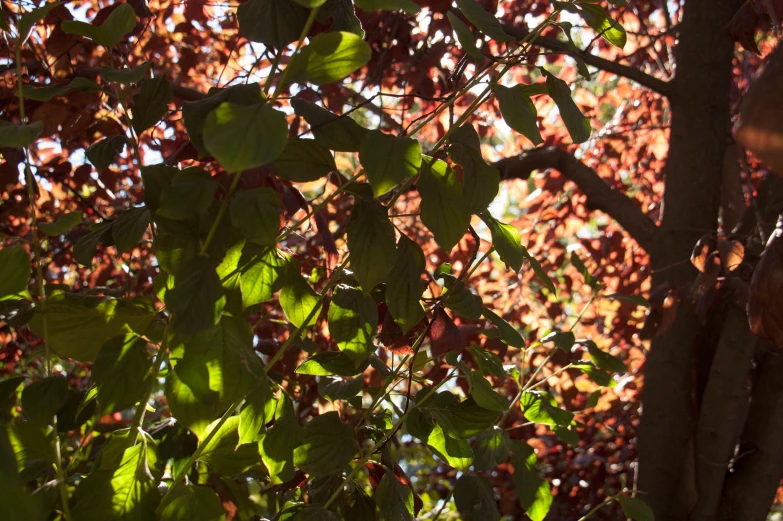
(262, 276)
(460, 419)
(481, 182)
(462, 300)
(120, 372)
(126, 75)
(342, 15)
(596, 374)
(577, 124)
(244, 137)
(128, 230)
(485, 396)
(151, 103)
(539, 271)
(84, 250)
(408, 6)
(77, 326)
(63, 224)
(371, 243)
(443, 208)
(519, 112)
(120, 22)
(353, 321)
(278, 443)
(334, 389)
(508, 334)
(636, 509)
(568, 435)
(465, 37)
(339, 133)
(52, 91)
(403, 296)
(475, 498)
(488, 363)
(329, 57)
(256, 213)
(28, 20)
(331, 363)
(195, 113)
(604, 360)
(19, 136)
(212, 370)
(259, 409)
(637, 300)
(456, 453)
(395, 499)
(304, 160)
(127, 491)
(603, 24)
(15, 501)
(224, 454)
(535, 495)
(43, 398)
(15, 270)
(274, 23)
(196, 301)
(389, 160)
(104, 152)
(541, 408)
(185, 502)
(190, 193)
(300, 303)
(482, 20)
(564, 340)
(327, 445)
(507, 242)
(492, 448)
(31, 446)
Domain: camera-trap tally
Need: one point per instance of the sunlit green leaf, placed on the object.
(353, 320)
(329, 57)
(300, 303)
(491, 449)
(224, 454)
(331, 363)
(455, 452)
(603, 24)
(535, 495)
(541, 408)
(389, 160)
(371, 243)
(443, 208)
(243, 137)
(485, 396)
(262, 276)
(604, 360)
(460, 419)
(259, 409)
(278, 443)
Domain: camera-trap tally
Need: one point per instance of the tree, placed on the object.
(279, 249)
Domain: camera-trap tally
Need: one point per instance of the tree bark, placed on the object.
(699, 135)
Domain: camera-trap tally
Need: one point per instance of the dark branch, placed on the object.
(626, 71)
(600, 195)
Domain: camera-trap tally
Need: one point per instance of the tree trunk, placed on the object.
(700, 132)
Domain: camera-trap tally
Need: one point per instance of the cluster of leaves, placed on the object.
(225, 254)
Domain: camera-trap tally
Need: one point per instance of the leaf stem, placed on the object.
(272, 71)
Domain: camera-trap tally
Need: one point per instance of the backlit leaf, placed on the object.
(389, 160)
(224, 454)
(15, 270)
(577, 124)
(186, 502)
(443, 208)
(151, 103)
(475, 498)
(300, 303)
(327, 445)
(329, 57)
(353, 320)
(535, 495)
(63, 224)
(272, 22)
(518, 111)
(104, 152)
(304, 160)
(256, 213)
(339, 133)
(120, 371)
(403, 296)
(120, 22)
(19, 136)
(484, 21)
(491, 449)
(371, 243)
(465, 36)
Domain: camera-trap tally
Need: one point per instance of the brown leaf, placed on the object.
(731, 254)
(445, 335)
(702, 251)
(392, 338)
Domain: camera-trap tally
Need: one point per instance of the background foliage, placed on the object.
(268, 259)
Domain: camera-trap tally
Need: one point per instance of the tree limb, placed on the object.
(626, 71)
(600, 195)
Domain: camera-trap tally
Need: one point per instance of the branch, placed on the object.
(626, 71)
(600, 195)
